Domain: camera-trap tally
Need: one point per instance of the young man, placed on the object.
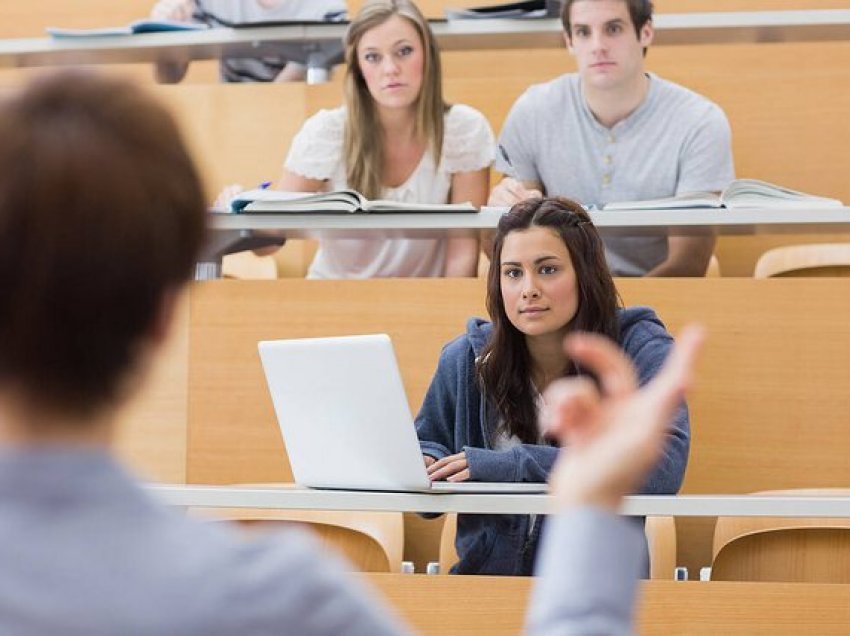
(101, 218)
(613, 132)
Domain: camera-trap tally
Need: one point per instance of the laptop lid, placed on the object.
(343, 413)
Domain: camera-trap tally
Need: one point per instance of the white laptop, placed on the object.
(343, 413)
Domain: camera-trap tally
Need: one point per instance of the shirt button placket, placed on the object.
(608, 160)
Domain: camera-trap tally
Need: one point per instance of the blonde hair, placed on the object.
(363, 150)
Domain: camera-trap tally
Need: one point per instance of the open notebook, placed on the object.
(333, 202)
(740, 194)
(343, 413)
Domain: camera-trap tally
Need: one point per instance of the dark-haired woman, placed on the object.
(479, 420)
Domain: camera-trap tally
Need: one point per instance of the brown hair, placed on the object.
(504, 366)
(363, 136)
(639, 10)
(101, 214)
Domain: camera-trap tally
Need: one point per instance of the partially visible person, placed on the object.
(479, 420)
(613, 132)
(394, 138)
(613, 434)
(101, 218)
(215, 13)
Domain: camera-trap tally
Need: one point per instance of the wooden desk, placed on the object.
(685, 28)
(633, 222)
(292, 497)
(496, 605)
(232, 229)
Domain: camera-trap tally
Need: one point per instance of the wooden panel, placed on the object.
(233, 435)
(668, 607)
(789, 554)
(238, 133)
(765, 413)
(496, 605)
(29, 19)
(369, 541)
(448, 605)
(151, 435)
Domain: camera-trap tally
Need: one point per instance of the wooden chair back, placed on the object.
(448, 553)
(814, 259)
(248, 266)
(661, 541)
(370, 541)
(713, 269)
(782, 549)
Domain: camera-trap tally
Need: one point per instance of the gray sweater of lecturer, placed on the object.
(85, 551)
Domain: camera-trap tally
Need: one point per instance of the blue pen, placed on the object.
(264, 185)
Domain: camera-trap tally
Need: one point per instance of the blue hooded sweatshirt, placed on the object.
(455, 418)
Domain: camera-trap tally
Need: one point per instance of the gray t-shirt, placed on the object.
(675, 142)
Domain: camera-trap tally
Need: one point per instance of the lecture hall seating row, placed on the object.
(768, 411)
(786, 102)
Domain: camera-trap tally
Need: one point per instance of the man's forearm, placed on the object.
(686, 256)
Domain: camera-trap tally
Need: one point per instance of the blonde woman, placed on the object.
(394, 138)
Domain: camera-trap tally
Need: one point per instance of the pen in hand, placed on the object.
(511, 173)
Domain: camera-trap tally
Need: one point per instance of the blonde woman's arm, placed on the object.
(293, 182)
(462, 253)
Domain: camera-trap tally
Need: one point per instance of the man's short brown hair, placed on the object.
(101, 214)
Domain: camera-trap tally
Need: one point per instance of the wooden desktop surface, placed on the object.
(28, 19)
(294, 497)
(648, 222)
(494, 606)
(670, 29)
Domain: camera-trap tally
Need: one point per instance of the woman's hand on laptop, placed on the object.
(449, 468)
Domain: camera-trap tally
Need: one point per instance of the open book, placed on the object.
(338, 201)
(139, 26)
(741, 193)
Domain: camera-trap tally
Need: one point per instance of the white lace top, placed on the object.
(316, 153)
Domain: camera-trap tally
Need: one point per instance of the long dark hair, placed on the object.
(504, 367)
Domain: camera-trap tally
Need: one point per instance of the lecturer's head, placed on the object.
(101, 219)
